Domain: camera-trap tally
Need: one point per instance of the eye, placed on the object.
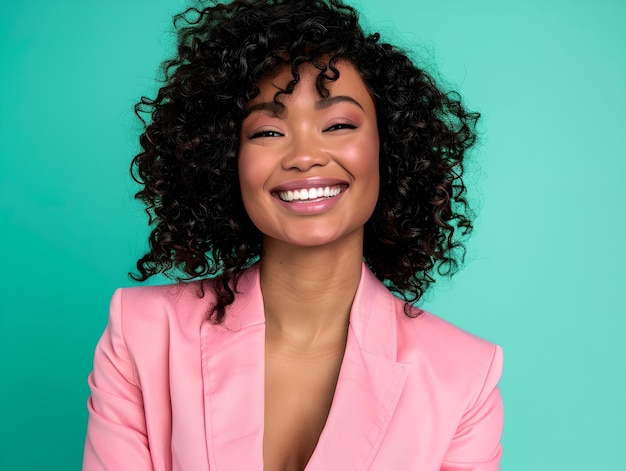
(339, 126)
(266, 133)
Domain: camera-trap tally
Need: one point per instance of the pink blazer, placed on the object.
(170, 391)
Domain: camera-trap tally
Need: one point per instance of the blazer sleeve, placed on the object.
(116, 431)
(476, 443)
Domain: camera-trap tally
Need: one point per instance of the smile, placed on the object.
(310, 194)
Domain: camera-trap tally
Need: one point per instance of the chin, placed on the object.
(321, 238)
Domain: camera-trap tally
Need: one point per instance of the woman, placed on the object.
(297, 170)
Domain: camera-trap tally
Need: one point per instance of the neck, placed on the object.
(308, 291)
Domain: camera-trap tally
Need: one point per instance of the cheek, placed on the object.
(364, 157)
(248, 177)
(371, 173)
(254, 169)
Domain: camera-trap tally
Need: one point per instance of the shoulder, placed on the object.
(148, 315)
(146, 303)
(437, 345)
(458, 359)
(440, 337)
(151, 299)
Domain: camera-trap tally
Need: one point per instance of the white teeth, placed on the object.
(305, 194)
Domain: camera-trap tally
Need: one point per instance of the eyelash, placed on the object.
(266, 133)
(339, 126)
(331, 128)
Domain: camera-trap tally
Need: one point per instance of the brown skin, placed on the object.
(311, 263)
(305, 340)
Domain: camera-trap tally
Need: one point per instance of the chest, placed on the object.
(217, 408)
(299, 391)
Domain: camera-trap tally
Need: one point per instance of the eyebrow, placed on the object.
(276, 109)
(327, 102)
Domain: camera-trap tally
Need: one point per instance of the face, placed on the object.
(309, 174)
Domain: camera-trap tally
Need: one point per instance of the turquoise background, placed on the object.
(546, 267)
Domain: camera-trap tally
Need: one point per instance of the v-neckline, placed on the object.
(368, 388)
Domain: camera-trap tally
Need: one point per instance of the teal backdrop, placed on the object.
(546, 268)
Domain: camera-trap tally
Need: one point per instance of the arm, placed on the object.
(476, 444)
(116, 431)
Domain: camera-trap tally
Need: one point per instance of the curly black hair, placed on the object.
(188, 164)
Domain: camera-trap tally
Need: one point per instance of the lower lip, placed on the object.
(311, 207)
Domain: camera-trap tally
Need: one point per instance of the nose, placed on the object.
(305, 151)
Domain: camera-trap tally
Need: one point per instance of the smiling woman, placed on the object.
(304, 183)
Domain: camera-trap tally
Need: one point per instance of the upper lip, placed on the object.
(311, 182)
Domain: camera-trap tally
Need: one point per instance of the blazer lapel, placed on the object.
(233, 361)
(369, 386)
(368, 389)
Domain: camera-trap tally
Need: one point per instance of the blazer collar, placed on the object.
(369, 386)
